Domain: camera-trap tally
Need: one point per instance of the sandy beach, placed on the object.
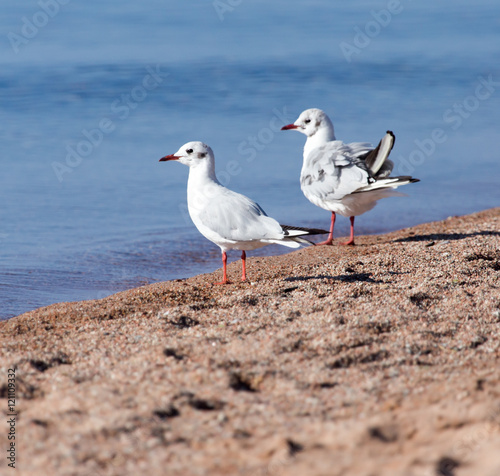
(378, 359)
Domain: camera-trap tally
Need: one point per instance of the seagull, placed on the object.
(229, 219)
(344, 178)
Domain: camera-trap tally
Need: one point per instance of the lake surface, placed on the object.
(92, 94)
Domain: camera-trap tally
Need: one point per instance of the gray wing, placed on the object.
(335, 169)
(238, 218)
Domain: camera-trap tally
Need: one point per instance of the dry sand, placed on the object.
(379, 359)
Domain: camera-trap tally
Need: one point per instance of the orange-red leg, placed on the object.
(351, 239)
(329, 241)
(224, 273)
(243, 266)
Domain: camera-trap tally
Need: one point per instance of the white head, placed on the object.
(193, 154)
(310, 122)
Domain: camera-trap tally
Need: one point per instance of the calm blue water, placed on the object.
(85, 213)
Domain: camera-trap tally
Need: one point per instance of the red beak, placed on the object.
(169, 157)
(289, 127)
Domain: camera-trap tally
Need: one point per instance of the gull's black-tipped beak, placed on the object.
(289, 127)
(169, 157)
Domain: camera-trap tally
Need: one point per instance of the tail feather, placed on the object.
(376, 158)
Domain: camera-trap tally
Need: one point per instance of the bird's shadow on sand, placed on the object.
(446, 236)
(350, 278)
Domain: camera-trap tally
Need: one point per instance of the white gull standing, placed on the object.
(229, 219)
(344, 178)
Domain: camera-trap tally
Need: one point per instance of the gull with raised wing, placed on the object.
(229, 219)
(344, 178)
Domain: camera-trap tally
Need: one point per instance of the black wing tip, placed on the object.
(317, 231)
(407, 178)
(309, 231)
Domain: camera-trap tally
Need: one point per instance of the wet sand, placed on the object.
(379, 359)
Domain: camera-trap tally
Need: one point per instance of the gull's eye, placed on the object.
(189, 151)
(307, 121)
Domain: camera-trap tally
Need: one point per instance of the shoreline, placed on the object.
(383, 358)
(210, 266)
